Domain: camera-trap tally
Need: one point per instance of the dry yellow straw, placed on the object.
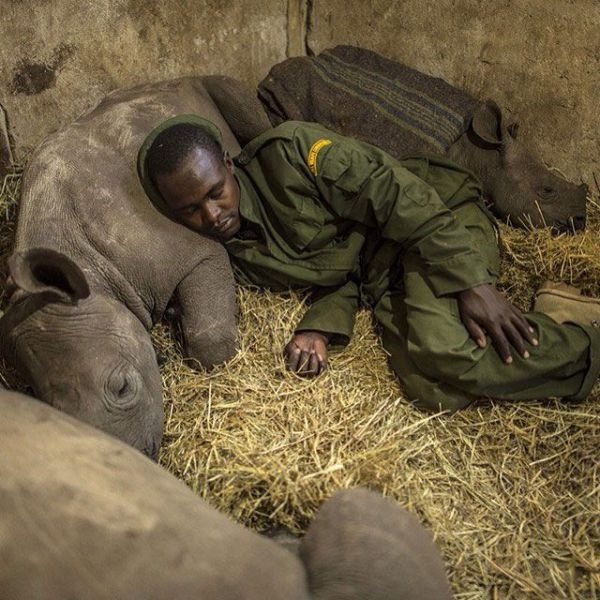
(510, 491)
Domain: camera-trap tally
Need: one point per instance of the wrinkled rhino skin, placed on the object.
(86, 516)
(95, 264)
(522, 191)
(358, 92)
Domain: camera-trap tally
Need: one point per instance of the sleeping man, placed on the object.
(303, 207)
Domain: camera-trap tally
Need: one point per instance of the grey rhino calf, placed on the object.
(523, 192)
(358, 92)
(86, 516)
(95, 264)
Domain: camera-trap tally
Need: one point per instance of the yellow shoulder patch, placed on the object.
(311, 160)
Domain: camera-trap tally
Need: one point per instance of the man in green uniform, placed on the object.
(304, 207)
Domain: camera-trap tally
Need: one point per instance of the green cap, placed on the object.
(147, 184)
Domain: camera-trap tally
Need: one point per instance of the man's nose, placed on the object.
(212, 214)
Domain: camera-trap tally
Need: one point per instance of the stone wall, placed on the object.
(60, 57)
(540, 59)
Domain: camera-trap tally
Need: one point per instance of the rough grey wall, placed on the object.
(540, 59)
(60, 57)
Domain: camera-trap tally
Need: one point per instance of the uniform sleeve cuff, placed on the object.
(339, 326)
(458, 274)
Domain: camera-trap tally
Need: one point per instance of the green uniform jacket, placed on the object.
(336, 214)
(344, 218)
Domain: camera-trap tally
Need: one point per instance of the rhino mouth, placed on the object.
(571, 226)
(151, 450)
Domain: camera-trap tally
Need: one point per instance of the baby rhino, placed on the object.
(85, 516)
(360, 93)
(95, 264)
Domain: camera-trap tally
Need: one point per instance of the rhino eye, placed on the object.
(546, 192)
(127, 388)
(123, 388)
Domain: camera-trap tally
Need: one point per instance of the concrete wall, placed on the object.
(540, 59)
(60, 57)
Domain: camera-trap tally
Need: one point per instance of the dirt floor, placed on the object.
(510, 491)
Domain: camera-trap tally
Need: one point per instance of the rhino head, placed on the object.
(522, 190)
(83, 352)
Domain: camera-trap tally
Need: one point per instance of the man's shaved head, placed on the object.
(173, 145)
(194, 177)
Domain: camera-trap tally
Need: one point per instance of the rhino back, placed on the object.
(85, 516)
(82, 196)
(360, 93)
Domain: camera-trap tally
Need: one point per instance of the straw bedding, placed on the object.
(510, 491)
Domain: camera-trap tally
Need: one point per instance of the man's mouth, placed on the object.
(225, 228)
(224, 225)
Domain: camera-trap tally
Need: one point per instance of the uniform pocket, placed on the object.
(347, 169)
(306, 224)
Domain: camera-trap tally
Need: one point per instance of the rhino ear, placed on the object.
(46, 271)
(486, 126)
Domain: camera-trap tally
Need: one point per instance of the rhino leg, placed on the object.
(206, 298)
(361, 545)
(239, 105)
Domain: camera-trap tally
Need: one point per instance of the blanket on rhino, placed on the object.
(360, 93)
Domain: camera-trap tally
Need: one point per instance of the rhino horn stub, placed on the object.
(46, 271)
(513, 130)
(486, 126)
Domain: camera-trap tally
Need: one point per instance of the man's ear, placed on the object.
(228, 161)
(46, 271)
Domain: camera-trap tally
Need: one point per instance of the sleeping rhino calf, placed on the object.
(358, 92)
(85, 516)
(522, 191)
(95, 264)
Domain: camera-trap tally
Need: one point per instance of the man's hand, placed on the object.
(483, 309)
(306, 353)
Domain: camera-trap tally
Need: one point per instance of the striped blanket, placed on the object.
(360, 93)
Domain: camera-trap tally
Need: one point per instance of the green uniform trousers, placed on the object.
(442, 368)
